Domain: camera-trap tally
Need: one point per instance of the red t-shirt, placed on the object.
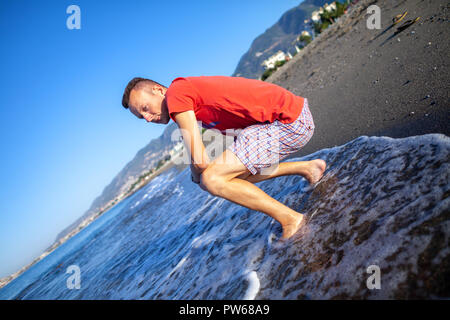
(222, 102)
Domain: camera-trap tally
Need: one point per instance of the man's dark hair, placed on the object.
(136, 83)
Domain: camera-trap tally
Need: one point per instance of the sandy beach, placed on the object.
(375, 82)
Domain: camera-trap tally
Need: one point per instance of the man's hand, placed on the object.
(195, 175)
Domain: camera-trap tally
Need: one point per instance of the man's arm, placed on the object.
(187, 122)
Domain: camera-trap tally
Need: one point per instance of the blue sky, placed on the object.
(64, 134)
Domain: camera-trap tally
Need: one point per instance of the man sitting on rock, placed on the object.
(272, 123)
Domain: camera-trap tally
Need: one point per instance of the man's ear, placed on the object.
(157, 89)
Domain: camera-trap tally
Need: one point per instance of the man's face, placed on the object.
(145, 105)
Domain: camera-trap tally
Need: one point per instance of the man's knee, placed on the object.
(211, 182)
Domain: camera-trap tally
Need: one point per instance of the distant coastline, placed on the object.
(164, 166)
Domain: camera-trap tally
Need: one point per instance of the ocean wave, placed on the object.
(381, 201)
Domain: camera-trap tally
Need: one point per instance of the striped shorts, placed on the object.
(261, 147)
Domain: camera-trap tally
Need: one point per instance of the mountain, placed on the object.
(278, 37)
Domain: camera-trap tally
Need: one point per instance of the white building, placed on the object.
(330, 7)
(270, 62)
(315, 16)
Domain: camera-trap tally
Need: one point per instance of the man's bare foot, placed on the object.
(290, 229)
(315, 171)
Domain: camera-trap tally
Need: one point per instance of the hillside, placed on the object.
(280, 36)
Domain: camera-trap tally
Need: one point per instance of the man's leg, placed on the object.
(311, 170)
(220, 179)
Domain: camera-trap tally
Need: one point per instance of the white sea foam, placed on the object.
(253, 286)
(179, 264)
(209, 247)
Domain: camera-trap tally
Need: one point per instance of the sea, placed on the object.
(172, 240)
